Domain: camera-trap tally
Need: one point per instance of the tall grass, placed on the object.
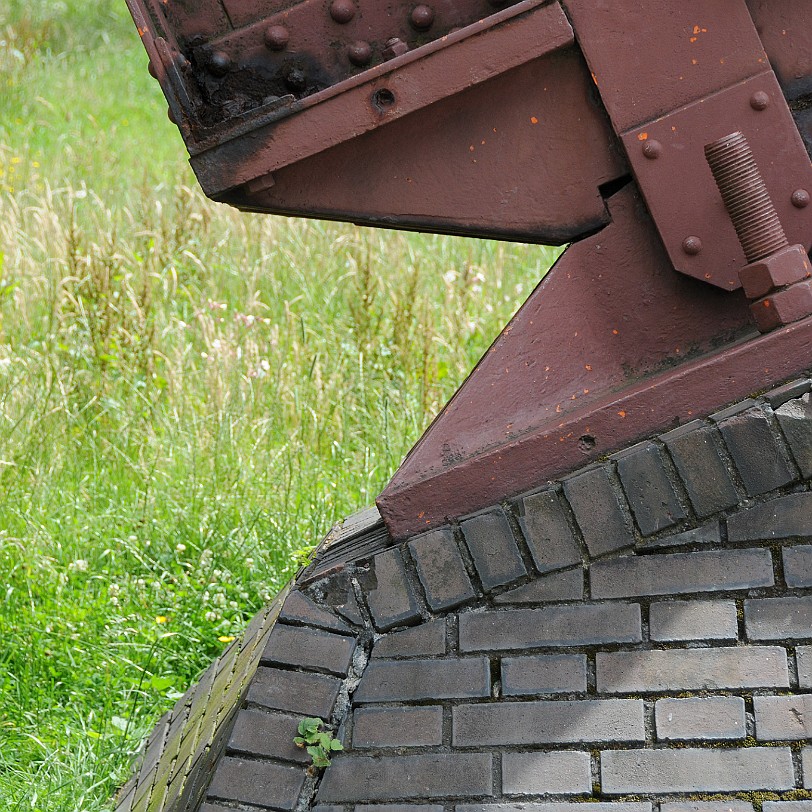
(188, 395)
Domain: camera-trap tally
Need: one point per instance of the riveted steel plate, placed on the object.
(681, 193)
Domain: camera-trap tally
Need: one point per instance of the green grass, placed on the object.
(188, 395)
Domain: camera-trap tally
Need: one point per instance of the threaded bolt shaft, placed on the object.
(745, 197)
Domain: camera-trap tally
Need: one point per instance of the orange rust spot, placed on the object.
(621, 413)
(595, 78)
(615, 332)
(533, 120)
(642, 136)
(558, 409)
(471, 148)
(694, 62)
(767, 303)
(586, 391)
(693, 39)
(142, 32)
(721, 61)
(588, 367)
(421, 514)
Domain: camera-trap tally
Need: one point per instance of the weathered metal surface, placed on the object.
(612, 345)
(482, 118)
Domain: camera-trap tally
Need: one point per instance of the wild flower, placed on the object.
(79, 565)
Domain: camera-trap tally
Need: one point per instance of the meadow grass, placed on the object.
(188, 395)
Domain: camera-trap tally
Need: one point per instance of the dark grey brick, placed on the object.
(692, 669)
(266, 734)
(337, 591)
(669, 574)
(410, 680)
(328, 808)
(391, 602)
(544, 524)
(787, 806)
(576, 625)
(425, 640)
(294, 691)
(693, 620)
(300, 609)
(709, 718)
(694, 448)
(557, 586)
(397, 727)
(493, 548)
(435, 775)
(544, 674)
(789, 391)
(803, 658)
(754, 449)
(441, 571)
(706, 534)
(798, 565)
(559, 806)
(706, 806)
(599, 513)
(559, 773)
(785, 517)
(782, 718)
(806, 765)
(214, 808)
(778, 618)
(257, 782)
(795, 418)
(651, 496)
(394, 808)
(557, 722)
(696, 770)
(309, 648)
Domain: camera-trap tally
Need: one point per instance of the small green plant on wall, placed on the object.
(318, 742)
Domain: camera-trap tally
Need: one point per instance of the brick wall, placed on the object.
(637, 635)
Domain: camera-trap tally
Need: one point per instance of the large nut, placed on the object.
(784, 307)
(785, 267)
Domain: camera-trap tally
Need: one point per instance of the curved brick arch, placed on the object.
(636, 635)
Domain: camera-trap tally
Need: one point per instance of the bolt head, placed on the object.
(800, 198)
(394, 47)
(219, 63)
(422, 17)
(359, 53)
(692, 246)
(277, 37)
(342, 11)
(760, 100)
(652, 149)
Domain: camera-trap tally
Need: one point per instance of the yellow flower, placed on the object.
(226, 638)
(16, 160)
(161, 619)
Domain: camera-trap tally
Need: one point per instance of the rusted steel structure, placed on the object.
(670, 142)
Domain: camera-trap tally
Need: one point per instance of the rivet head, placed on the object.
(296, 80)
(170, 115)
(760, 100)
(359, 53)
(277, 37)
(800, 198)
(219, 63)
(652, 149)
(422, 17)
(692, 246)
(152, 72)
(342, 11)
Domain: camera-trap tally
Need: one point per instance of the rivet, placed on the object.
(296, 80)
(277, 37)
(800, 198)
(342, 11)
(170, 115)
(152, 72)
(759, 100)
(692, 246)
(652, 149)
(359, 53)
(422, 17)
(219, 63)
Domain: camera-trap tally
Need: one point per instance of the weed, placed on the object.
(318, 742)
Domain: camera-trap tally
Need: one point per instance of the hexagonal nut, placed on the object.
(784, 307)
(784, 267)
(394, 47)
